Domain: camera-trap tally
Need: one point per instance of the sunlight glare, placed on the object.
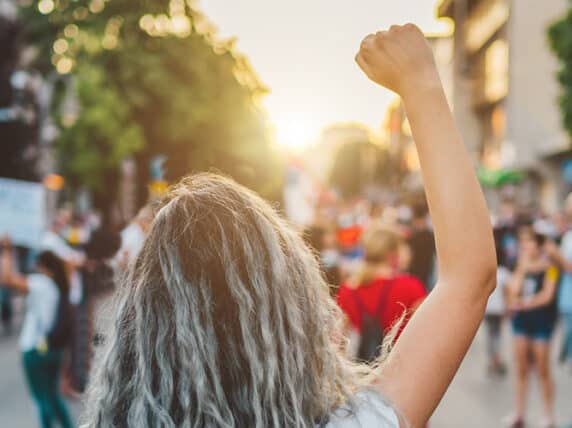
(296, 132)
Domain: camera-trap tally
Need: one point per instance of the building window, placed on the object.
(487, 18)
(496, 71)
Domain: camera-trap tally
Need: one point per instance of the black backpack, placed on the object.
(60, 336)
(371, 332)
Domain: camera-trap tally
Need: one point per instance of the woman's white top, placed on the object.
(496, 304)
(41, 308)
(370, 411)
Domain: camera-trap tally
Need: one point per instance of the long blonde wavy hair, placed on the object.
(224, 320)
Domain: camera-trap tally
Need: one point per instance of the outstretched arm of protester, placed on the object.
(435, 341)
(9, 277)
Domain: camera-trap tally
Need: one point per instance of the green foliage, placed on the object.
(103, 134)
(560, 37)
(152, 79)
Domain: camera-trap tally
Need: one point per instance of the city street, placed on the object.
(473, 401)
(16, 407)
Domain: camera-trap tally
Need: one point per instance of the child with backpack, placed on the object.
(378, 295)
(46, 330)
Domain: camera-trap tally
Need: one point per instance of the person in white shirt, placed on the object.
(133, 237)
(496, 311)
(226, 320)
(74, 259)
(42, 359)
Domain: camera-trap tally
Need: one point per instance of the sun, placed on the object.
(296, 131)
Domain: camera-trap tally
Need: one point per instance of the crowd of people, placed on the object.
(225, 317)
(67, 279)
(379, 260)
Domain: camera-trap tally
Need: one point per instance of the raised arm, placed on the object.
(430, 350)
(9, 277)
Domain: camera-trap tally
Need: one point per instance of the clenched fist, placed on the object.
(399, 59)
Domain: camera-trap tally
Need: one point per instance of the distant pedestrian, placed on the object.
(422, 244)
(323, 241)
(378, 295)
(45, 332)
(532, 300)
(507, 227)
(6, 306)
(495, 313)
(133, 237)
(563, 256)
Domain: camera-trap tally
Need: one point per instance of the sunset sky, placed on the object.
(304, 49)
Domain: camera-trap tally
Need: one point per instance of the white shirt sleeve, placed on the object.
(503, 278)
(58, 246)
(369, 410)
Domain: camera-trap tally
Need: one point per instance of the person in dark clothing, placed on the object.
(323, 242)
(6, 311)
(532, 301)
(507, 230)
(6, 308)
(422, 244)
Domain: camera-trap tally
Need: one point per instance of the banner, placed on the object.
(22, 211)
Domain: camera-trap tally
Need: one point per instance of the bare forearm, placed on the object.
(462, 228)
(9, 277)
(5, 265)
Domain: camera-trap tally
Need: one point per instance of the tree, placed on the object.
(17, 134)
(560, 37)
(151, 78)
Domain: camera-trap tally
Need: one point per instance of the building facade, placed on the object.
(505, 91)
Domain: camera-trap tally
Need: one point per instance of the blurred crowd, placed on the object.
(380, 261)
(369, 250)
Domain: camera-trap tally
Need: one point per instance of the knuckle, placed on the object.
(368, 42)
(411, 27)
(381, 36)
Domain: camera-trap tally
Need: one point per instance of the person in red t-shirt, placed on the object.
(379, 288)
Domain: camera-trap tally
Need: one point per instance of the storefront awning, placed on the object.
(499, 177)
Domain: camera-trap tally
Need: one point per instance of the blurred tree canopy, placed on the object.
(150, 78)
(560, 37)
(18, 158)
(359, 165)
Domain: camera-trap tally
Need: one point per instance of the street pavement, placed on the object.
(474, 400)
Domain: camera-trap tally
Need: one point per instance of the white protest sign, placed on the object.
(22, 211)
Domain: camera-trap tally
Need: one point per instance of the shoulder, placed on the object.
(552, 273)
(41, 284)
(409, 281)
(409, 289)
(366, 409)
